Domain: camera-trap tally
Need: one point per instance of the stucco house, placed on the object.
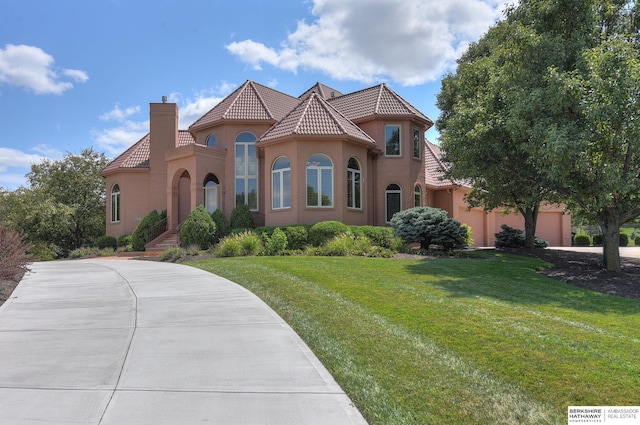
(357, 158)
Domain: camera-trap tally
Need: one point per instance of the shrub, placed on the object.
(637, 241)
(172, 255)
(427, 226)
(320, 233)
(222, 224)
(624, 239)
(46, 251)
(597, 240)
(297, 236)
(124, 240)
(582, 240)
(106, 242)
(241, 218)
(276, 243)
(13, 253)
(90, 252)
(198, 229)
(514, 238)
(243, 244)
(384, 237)
(350, 244)
(139, 235)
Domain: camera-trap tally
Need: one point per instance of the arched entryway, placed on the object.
(184, 196)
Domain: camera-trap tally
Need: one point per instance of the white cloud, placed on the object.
(14, 164)
(119, 114)
(32, 68)
(116, 140)
(409, 41)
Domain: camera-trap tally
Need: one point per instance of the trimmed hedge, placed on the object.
(320, 233)
(139, 235)
(198, 229)
(597, 240)
(222, 224)
(107, 242)
(582, 240)
(624, 239)
(241, 218)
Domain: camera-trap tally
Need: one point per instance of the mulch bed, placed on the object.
(580, 269)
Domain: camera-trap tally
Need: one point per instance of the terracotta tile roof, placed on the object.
(379, 100)
(315, 117)
(433, 166)
(137, 156)
(324, 91)
(250, 101)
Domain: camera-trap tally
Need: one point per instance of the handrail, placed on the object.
(156, 230)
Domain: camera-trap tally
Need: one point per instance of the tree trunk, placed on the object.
(530, 215)
(610, 227)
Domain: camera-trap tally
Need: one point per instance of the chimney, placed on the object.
(163, 129)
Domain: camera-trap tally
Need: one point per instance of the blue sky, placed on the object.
(76, 74)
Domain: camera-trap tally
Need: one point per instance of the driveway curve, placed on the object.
(145, 343)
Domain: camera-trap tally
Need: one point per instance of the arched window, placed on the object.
(319, 181)
(417, 196)
(393, 200)
(354, 184)
(115, 203)
(246, 170)
(211, 140)
(281, 184)
(211, 193)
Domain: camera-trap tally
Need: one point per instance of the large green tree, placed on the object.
(479, 144)
(64, 205)
(567, 77)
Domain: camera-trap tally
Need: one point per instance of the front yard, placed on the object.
(481, 340)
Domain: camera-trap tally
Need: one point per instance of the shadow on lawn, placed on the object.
(515, 279)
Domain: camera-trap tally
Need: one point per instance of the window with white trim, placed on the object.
(281, 184)
(115, 203)
(417, 196)
(354, 184)
(246, 170)
(211, 193)
(319, 181)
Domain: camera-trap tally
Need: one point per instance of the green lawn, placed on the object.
(453, 341)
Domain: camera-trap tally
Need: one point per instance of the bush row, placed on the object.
(586, 240)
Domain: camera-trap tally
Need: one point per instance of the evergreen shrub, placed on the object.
(241, 218)
(515, 238)
(107, 242)
(198, 229)
(582, 240)
(139, 235)
(429, 226)
(222, 224)
(320, 233)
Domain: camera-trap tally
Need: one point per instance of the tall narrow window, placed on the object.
(354, 184)
(319, 181)
(211, 190)
(281, 184)
(246, 170)
(392, 140)
(416, 143)
(115, 203)
(393, 200)
(417, 196)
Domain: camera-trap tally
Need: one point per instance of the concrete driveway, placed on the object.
(141, 342)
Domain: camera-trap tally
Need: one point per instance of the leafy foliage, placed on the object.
(297, 236)
(13, 253)
(198, 229)
(241, 218)
(427, 226)
(107, 242)
(243, 244)
(514, 238)
(582, 240)
(276, 243)
(350, 244)
(139, 236)
(323, 231)
(222, 224)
